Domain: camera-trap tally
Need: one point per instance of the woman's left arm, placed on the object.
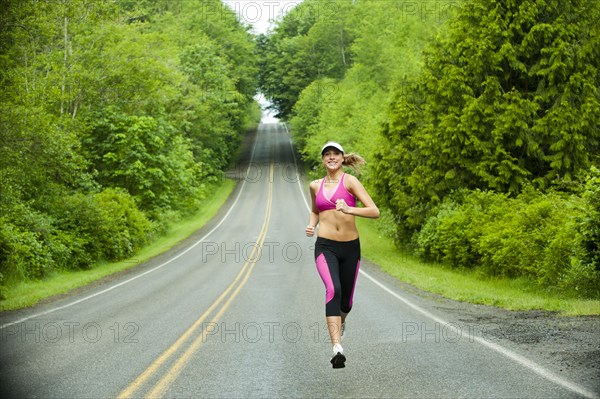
(369, 209)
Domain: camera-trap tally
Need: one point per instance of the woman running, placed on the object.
(337, 249)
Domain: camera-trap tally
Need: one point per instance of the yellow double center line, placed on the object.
(178, 365)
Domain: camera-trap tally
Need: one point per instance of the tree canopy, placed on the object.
(507, 98)
(115, 117)
(465, 111)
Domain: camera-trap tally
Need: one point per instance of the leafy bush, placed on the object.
(544, 237)
(24, 253)
(106, 225)
(533, 239)
(124, 229)
(70, 233)
(450, 236)
(590, 226)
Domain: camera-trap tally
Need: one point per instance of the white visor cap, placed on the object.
(334, 145)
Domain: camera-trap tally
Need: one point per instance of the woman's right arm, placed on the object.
(313, 219)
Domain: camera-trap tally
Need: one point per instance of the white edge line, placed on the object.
(148, 271)
(543, 372)
(536, 368)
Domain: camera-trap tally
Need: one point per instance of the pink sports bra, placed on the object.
(325, 204)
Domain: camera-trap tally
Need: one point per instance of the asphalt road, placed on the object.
(238, 311)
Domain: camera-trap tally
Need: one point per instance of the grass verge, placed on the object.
(29, 293)
(465, 286)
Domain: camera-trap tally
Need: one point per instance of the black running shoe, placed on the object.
(338, 361)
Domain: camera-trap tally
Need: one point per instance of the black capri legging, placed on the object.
(338, 263)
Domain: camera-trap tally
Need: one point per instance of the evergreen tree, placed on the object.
(509, 97)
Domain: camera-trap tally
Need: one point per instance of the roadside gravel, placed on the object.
(568, 346)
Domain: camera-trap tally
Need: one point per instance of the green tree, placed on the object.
(387, 41)
(508, 97)
(214, 106)
(114, 114)
(310, 43)
(145, 156)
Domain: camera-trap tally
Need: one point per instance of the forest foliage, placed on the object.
(479, 119)
(115, 118)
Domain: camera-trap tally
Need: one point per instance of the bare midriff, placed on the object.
(338, 226)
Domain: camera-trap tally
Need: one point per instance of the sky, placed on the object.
(261, 13)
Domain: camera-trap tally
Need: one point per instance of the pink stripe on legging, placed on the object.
(355, 278)
(326, 277)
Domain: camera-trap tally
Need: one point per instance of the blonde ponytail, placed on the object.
(354, 161)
